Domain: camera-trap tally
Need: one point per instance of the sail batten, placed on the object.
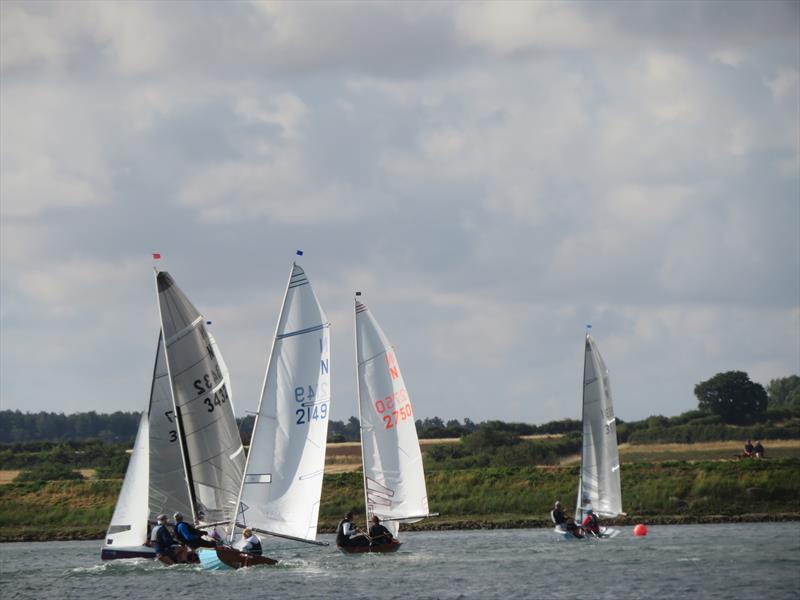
(394, 480)
(599, 486)
(282, 486)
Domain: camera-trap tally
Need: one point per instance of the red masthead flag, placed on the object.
(156, 255)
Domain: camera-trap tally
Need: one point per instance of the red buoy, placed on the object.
(640, 530)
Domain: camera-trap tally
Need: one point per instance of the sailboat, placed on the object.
(394, 479)
(282, 485)
(174, 448)
(599, 483)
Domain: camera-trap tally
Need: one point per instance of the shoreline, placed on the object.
(472, 524)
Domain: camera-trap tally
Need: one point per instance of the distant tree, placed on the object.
(733, 397)
(784, 392)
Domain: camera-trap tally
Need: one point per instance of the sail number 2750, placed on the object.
(394, 408)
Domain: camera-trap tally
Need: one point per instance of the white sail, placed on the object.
(212, 449)
(283, 479)
(128, 528)
(599, 486)
(169, 491)
(394, 480)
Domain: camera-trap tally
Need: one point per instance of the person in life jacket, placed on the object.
(348, 535)
(562, 521)
(591, 524)
(190, 535)
(250, 543)
(378, 534)
(167, 550)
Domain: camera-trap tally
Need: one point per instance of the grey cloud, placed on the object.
(489, 205)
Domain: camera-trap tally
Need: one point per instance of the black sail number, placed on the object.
(219, 398)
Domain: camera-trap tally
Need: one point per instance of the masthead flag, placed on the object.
(156, 255)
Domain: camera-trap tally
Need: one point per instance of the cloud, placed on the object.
(51, 154)
(493, 176)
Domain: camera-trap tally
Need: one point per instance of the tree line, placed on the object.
(725, 400)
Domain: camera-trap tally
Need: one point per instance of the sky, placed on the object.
(493, 176)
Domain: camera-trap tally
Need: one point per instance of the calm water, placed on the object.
(692, 561)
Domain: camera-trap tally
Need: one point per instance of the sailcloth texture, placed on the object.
(169, 491)
(599, 487)
(208, 433)
(394, 479)
(128, 526)
(283, 480)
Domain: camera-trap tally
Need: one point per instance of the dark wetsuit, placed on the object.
(343, 539)
(164, 542)
(558, 517)
(758, 450)
(191, 536)
(380, 535)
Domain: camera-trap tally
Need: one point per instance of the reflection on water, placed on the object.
(710, 561)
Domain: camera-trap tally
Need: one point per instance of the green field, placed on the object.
(665, 492)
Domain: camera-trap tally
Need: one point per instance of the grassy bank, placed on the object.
(666, 492)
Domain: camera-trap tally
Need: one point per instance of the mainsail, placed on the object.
(283, 478)
(169, 491)
(394, 480)
(599, 486)
(128, 528)
(212, 449)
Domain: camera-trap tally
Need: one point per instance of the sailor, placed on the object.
(348, 535)
(167, 550)
(563, 522)
(251, 543)
(557, 516)
(190, 535)
(591, 524)
(378, 534)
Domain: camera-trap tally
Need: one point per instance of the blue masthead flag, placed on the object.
(299, 253)
(588, 327)
(208, 322)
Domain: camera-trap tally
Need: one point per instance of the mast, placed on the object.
(360, 417)
(579, 500)
(187, 470)
(260, 402)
